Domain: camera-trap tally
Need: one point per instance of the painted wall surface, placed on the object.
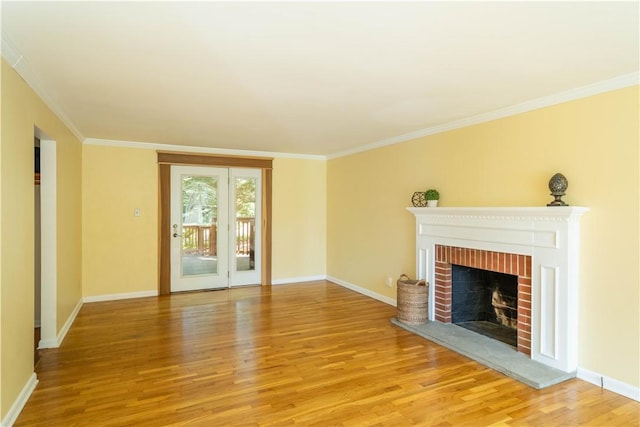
(299, 218)
(120, 250)
(22, 109)
(508, 162)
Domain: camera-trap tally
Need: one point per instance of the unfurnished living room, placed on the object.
(349, 213)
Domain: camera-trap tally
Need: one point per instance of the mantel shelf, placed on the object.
(512, 213)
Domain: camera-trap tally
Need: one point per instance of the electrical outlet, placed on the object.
(389, 282)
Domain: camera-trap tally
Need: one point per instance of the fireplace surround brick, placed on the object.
(500, 262)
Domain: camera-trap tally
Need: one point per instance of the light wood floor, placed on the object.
(304, 354)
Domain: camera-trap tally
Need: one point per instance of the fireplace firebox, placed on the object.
(485, 302)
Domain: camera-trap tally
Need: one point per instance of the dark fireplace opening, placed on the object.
(485, 302)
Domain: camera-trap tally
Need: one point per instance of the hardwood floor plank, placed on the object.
(312, 354)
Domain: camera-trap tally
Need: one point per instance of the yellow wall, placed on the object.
(299, 218)
(21, 111)
(508, 162)
(120, 251)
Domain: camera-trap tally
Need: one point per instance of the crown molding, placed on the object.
(9, 53)
(615, 83)
(195, 149)
(20, 64)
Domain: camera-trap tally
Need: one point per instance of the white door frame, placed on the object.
(167, 158)
(48, 243)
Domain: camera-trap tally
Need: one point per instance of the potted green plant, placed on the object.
(432, 197)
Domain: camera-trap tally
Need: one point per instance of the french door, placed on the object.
(215, 218)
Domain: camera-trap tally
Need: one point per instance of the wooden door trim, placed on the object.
(165, 160)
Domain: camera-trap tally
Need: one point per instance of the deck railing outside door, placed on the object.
(201, 239)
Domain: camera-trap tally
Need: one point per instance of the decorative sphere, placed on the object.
(558, 184)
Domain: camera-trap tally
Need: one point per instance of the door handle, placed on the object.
(177, 235)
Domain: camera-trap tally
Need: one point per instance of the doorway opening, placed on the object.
(45, 248)
(213, 234)
(37, 253)
(250, 250)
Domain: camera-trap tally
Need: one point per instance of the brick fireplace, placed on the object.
(500, 262)
(539, 245)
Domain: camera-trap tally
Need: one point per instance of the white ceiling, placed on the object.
(313, 78)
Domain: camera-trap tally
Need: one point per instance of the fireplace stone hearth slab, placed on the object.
(489, 352)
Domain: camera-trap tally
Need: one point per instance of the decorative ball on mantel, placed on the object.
(558, 185)
(418, 200)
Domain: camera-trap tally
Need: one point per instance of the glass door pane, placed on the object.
(245, 190)
(199, 228)
(245, 239)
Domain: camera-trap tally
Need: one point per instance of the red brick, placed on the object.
(524, 312)
(524, 338)
(524, 342)
(526, 281)
(524, 293)
(524, 304)
(520, 265)
(440, 318)
(524, 350)
(527, 267)
(442, 305)
(443, 308)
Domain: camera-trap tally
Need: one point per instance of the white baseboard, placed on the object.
(610, 384)
(113, 297)
(297, 279)
(20, 401)
(63, 332)
(363, 291)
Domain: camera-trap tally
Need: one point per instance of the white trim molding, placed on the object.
(364, 291)
(288, 280)
(609, 383)
(20, 401)
(194, 149)
(114, 297)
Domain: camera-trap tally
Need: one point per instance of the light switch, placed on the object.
(136, 212)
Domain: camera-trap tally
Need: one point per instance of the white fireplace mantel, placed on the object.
(550, 235)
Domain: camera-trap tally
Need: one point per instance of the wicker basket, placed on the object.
(412, 301)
